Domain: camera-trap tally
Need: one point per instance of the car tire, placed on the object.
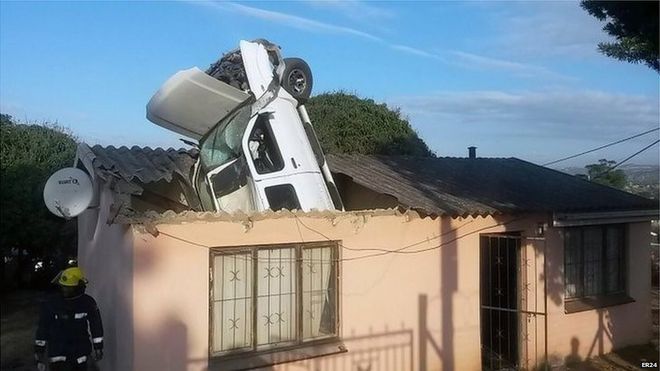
(297, 79)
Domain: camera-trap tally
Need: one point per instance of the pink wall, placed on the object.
(105, 255)
(170, 296)
(379, 295)
(590, 333)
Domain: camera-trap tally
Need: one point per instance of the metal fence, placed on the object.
(383, 351)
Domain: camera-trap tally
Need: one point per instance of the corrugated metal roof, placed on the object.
(463, 186)
(453, 186)
(143, 165)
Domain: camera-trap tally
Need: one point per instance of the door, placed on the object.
(500, 316)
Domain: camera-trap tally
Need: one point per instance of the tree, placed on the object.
(603, 173)
(634, 24)
(29, 154)
(345, 123)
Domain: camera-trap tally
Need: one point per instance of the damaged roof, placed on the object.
(469, 186)
(442, 186)
(139, 165)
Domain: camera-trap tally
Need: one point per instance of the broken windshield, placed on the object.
(223, 143)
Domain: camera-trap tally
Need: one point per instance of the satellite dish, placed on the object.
(68, 192)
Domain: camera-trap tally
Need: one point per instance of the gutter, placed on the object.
(609, 217)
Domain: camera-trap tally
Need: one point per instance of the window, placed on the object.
(263, 147)
(270, 298)
(594, 261)
(282, 197)
(223, 143)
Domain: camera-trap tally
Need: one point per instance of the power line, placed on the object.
(626, 159)
(400, 250)
(428, 239)
(601, 147)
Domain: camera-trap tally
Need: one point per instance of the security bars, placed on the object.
(269, 297)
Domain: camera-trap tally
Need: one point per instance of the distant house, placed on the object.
(437, 264)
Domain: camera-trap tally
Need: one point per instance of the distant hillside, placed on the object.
(642, 174)
(643, 180)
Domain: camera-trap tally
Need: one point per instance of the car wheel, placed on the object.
(297, 79)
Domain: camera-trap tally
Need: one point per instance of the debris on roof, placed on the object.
(142, 164)
(435, 186)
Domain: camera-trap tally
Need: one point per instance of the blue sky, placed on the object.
(518, 79)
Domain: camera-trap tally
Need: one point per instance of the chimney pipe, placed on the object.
(472, 152)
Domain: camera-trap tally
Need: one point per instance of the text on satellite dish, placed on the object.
(71, 180)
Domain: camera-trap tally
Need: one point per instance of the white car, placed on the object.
(258, 149)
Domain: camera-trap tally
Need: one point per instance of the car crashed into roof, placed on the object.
(258, 149)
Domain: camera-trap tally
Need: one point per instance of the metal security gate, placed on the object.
(513, 302)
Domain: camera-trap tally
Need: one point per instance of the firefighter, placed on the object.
(70, 326)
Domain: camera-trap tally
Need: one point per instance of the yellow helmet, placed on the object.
(71, 277)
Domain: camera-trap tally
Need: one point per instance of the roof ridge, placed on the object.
(417, 157)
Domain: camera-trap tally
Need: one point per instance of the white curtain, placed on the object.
(232, 302)
(318, 303)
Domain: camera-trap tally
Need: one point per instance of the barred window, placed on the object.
(273, 297)
(594, 261)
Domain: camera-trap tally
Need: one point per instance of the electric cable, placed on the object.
(601, 147)
(381, 252)
(624, 160)
(428, 239)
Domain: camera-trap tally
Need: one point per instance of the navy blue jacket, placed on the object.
(69, 327)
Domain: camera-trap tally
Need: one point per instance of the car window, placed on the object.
(282, 197)
(229, 179)
(263, 147)
(223, 143)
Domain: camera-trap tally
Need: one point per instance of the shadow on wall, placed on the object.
(610, 320)
(165, 348)
(574, 357)
(109, 268)
(428, 348)
(448, 287)
(388, 350)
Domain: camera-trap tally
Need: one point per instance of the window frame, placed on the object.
(278, 160)
(256, 350)
(586, 301)
(276, 187)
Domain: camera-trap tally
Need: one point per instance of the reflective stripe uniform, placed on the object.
(69, 328)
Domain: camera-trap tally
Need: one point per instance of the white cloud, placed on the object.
(560, 29)
(558, 114)
(456, 58)
(415, 51)
(288, 20)
(536, 125)
(355, 10)
(470, 60)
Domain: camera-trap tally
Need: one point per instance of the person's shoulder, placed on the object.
(89, 300)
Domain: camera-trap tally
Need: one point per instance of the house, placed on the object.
(436, 264)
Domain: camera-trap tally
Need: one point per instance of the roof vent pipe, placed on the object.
(472, 152)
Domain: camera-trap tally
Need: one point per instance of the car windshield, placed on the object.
(223, 143)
